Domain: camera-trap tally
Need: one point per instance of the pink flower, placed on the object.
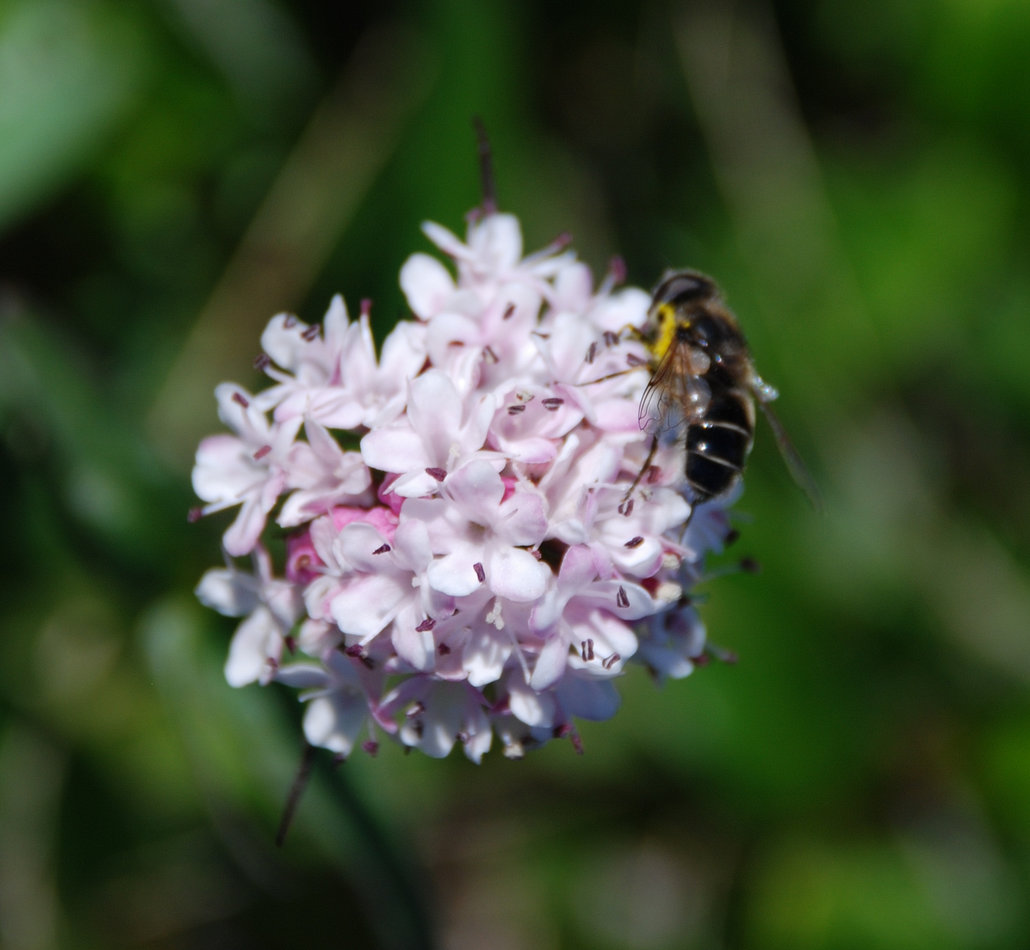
(461, 560)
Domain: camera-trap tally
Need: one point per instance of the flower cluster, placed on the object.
(461, 559)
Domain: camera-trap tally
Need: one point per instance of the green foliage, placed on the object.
(173, 174)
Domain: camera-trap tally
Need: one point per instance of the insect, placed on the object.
(703, 379)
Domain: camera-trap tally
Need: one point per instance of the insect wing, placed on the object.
(673, 397)
(797, 468)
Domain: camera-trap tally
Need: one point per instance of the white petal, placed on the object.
(334, 721)
(530, 706)
(517, 575)
(550, 664)
(364, 607)
(396, 448)
(256, 641)
(587, 698)
(426, 284)
(231, 593)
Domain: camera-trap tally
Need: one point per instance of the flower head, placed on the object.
(461, 561)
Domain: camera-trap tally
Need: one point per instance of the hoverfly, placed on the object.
(703, 379)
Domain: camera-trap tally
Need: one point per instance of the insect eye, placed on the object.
(684, 287)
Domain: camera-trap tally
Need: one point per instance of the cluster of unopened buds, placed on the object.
(456, 556)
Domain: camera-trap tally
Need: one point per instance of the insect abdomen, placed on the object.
(718, 444)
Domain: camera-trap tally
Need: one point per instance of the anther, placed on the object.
(480, 571)
(509, 312)
(622, 600)
(370, 746)
(626, 507)
(290, 322)
(382, 549)
(426, 625)
(262, 452)
(633, 360)
(634, 542)
(438, 473)
(415, 709)
(194, 514)
(617, 268)
(240, 400)
(262, 361)
(443, 649)
(553, 403)
(591, 352)
(586, 649)
(517, 409)
(311, 333)
(609, 661)
(366, 307)
(610, 338)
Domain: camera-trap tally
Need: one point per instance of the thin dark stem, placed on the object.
(486, 167)
(300, 782)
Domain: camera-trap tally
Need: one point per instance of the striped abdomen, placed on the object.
(718, 443)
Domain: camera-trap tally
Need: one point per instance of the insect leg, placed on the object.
(624, 505)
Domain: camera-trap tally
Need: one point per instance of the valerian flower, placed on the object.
(461, 562)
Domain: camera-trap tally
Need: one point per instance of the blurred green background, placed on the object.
(174, 172)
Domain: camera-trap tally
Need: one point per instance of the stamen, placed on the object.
(586, 649)
(311, 333)
(262, 361)
(262, 452)
(515, 410)
(610, 338)
(438, 473)
(610, 661)
(626, 507)
(634, 542)
(290, 322)
(290, 643)
(240, 400)
(366, 307)
(617, 269)
(509, 312)
(633, 360)
(426, 625)
(415, 709)
(553, 403)
(591, 353)
(443, 649)
(622, 600)
(194, 514)
(382, 549)
(370, 746)
(480, 571)
(490, 356)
